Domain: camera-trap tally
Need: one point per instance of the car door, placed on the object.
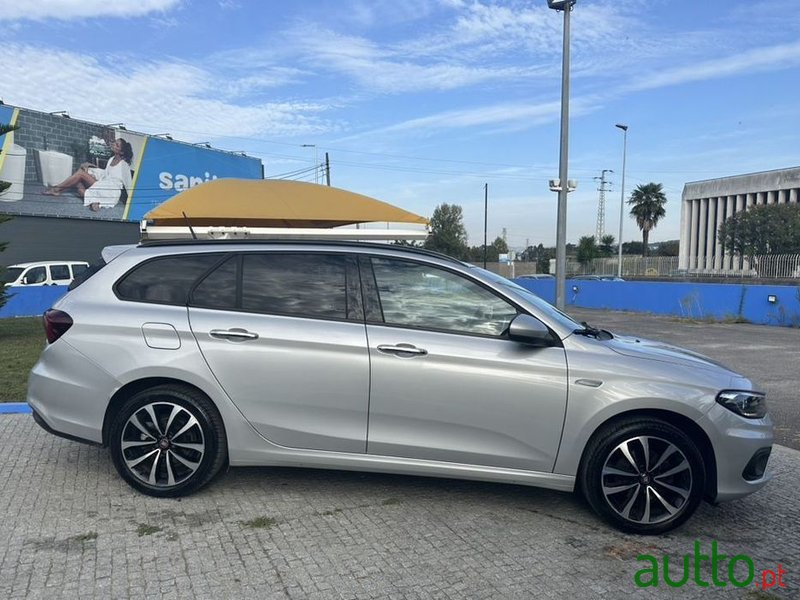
(60, 275)
(284, 334)
(446, 382)
(35, 276)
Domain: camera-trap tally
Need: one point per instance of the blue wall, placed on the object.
(690, 300)
(31, 301)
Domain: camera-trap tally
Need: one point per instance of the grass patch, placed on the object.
(330, 513)
(145, 529)
(21, 343)
(390, 501)
(260, 523)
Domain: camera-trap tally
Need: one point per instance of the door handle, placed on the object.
(233, 334)
(402, 349)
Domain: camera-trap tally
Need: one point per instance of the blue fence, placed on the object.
(31, 301)
(762, 304)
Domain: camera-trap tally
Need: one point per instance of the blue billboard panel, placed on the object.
(168, 168)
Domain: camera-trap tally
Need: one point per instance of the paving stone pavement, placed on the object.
(72, 528)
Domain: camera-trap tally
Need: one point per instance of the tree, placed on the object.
(765, 229)
(587, 249)
(647, 207)
(669, 248)
(632, 248)
(448, 234)
(607, 245)
(493, 251)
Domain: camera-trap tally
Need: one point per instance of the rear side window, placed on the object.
(165, 280)
(78, 269)
(218, 289)
(302, 285)
(59, 272)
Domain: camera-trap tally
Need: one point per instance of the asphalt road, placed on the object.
(770, 356)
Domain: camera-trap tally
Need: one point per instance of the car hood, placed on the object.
(637, 347)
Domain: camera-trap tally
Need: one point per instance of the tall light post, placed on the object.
(316, 161)
(622, 195)
(561, 221)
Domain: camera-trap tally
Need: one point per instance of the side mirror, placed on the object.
(25, 280)
(528, 330)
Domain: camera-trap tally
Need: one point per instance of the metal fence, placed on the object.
(768, 266)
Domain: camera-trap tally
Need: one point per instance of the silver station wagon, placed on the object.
(186, 357)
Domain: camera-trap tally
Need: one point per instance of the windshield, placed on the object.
(515, 289)
(10, 274)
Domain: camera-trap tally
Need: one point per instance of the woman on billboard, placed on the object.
(101, 188)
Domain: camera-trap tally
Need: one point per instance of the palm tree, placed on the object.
(647, 207)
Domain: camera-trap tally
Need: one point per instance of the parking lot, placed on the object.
(72, 528)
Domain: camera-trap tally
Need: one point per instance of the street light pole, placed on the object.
(561, 222)
(624, 129)
(316, 160)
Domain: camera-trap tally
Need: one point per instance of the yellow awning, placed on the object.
(275, 203)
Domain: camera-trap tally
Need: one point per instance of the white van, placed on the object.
(52, 272)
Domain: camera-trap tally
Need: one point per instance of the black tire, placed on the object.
(656, 496)
(178, 453)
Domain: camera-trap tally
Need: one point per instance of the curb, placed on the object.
(14, 408)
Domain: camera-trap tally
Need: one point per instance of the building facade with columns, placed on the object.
(706, 204)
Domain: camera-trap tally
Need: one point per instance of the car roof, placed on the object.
(43, 263)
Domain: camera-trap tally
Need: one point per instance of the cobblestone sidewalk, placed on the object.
(71, 528)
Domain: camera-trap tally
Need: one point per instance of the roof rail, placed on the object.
(298, 242)
(156, 232)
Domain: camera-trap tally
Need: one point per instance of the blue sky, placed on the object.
(423, 101)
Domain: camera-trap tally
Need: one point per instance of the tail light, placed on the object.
(56, 324)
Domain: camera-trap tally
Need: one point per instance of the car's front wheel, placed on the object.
(643, 475)
(168, 441)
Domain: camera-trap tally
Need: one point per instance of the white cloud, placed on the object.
(384, 70)
(770, 58)
(165, 96)
(66, 10)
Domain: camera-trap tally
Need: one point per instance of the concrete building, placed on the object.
(706, 204)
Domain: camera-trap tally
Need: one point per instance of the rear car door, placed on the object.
(284, 334)
(446, 382)
(60, 275)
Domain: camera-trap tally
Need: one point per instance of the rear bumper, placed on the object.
(70, 393)
(43, 424)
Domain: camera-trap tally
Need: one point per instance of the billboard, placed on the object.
(63, 167)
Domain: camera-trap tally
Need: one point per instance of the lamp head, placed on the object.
(560, 4)
(621, 126)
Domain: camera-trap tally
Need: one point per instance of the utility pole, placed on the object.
(327, 170)
(485, 219)
(601, 204)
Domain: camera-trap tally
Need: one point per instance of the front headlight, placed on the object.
(752, 405)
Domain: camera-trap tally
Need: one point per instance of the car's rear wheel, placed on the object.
(168, 441)
(643, 475)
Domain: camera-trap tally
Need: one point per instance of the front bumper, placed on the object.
(739, 448)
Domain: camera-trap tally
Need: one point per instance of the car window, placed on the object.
(302, 285)
(165, 280)
(218, 289)
(78, 269)
(36, 275)
(11, 274)
(59, 273)
(427, 297)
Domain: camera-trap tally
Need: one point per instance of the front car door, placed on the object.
(284, 334)
(446, 382)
